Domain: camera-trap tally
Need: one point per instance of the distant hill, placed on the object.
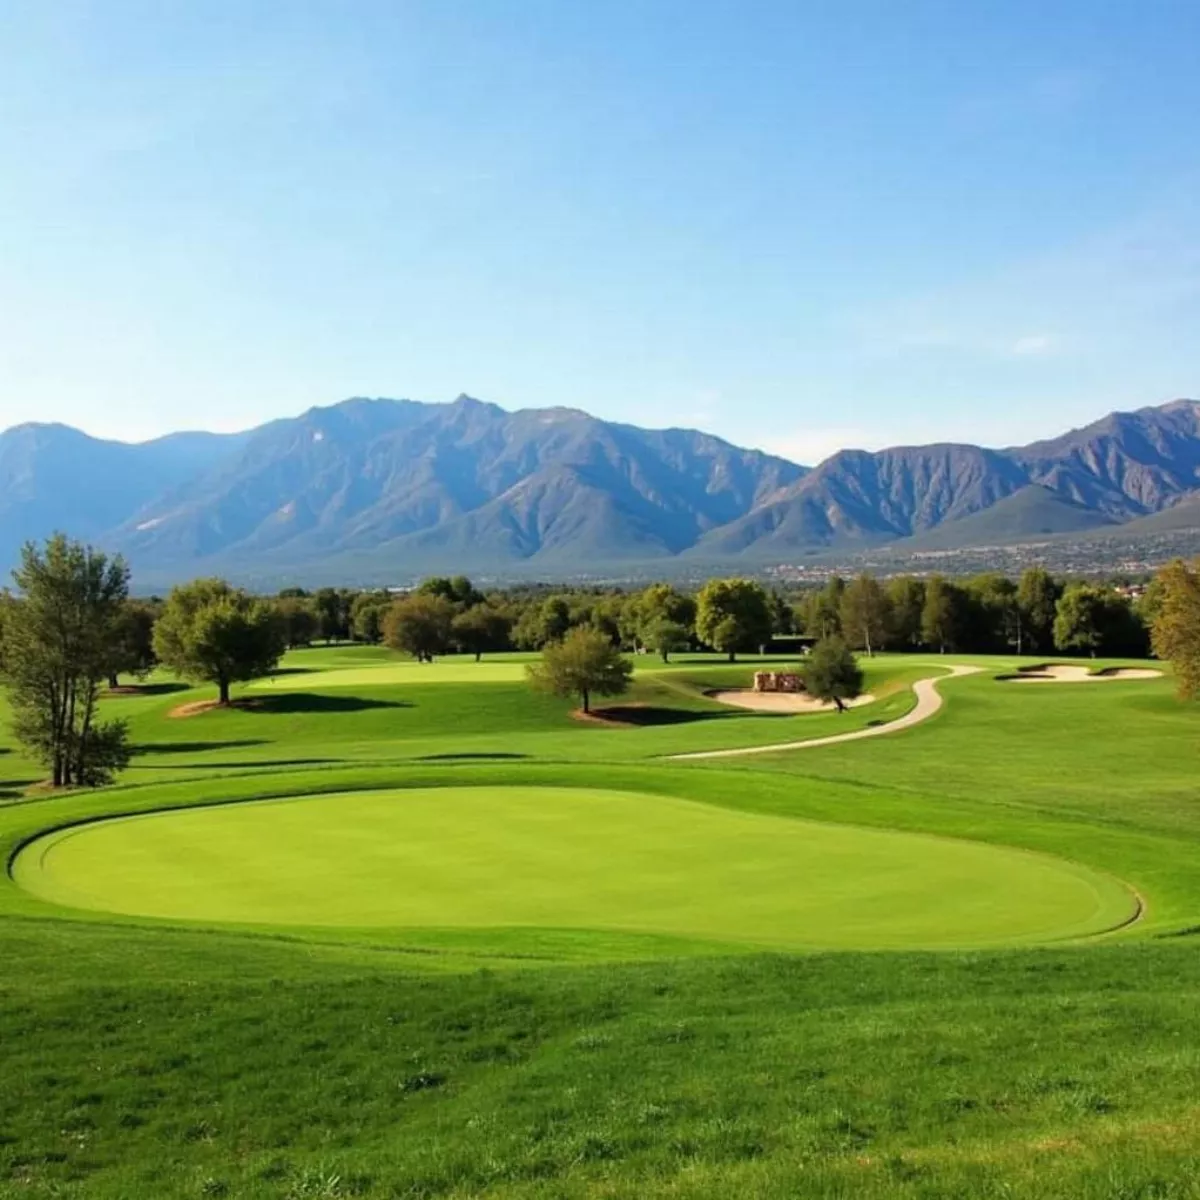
(1031, 512)
(387, 489)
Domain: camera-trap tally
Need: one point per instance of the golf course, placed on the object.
(394, 928)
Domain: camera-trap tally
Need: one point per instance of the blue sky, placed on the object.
(798, 225)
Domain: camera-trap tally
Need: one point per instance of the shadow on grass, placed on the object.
(244, 764)
(145, 689)
(194, 747)
(650, 714)
(467, 756)
(314, 702)
(281, 672)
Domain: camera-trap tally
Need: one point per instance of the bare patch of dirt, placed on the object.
(610, 718)
(196, 707)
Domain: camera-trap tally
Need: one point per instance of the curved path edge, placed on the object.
(929, 700)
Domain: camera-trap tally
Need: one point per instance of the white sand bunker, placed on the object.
(1077, 673)
(780, 702)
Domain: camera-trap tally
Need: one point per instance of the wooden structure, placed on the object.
(777, 681)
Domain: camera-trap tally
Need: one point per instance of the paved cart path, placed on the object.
(929, 700)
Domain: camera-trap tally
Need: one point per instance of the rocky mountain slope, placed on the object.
(394, 487)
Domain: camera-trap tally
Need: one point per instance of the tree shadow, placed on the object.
(244, 764)
(313, 702)
(280, 672)
(145, 689)
(194, 747)
(468, 756)
(649, 714)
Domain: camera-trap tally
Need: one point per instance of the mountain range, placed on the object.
(373, 490)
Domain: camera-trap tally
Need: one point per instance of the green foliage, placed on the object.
(1176, 629)
(1037, 604)
(666, 637)
(821, 614)
(906, 598)
(366, 616)
(480, 630)
(733, 615)
(333, 607)
(831, 672)
(991, 614)
(298, 621)
(661, 608)
(583, 664)
(132, 641)
(1079, 619)
(60, 633)
(420, 624)
(212, 632)
(943, 615)
(459, 590)
(865, 613)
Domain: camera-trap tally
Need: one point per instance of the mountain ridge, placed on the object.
(401, 486)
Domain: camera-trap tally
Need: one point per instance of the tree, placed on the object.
(1176, 628)
(906, 595)
(554, 619)
(864, 612)
(333, 613)
(653, 617)
(666, 637)
(1079, 619)
(733, 615)
(822, 610)
(420, 625)
(132, 644)
(831, 672)
(993, 615)
(366, 616)
(480, 629)
(214, 633)
(298, 620)
(783, 619)
(1037, 605)
(459, 590)
(583, 664)
(941, 617)
(59, 633)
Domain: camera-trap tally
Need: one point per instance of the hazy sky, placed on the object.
(798, 225)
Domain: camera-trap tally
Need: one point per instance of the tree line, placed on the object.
(69, 627)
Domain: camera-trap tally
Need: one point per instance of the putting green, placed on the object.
(567, 858)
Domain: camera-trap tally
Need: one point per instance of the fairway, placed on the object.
(567, 858)
(404, 671)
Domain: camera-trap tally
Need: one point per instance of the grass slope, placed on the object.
(143, 1058)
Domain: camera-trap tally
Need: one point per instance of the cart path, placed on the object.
(929, 700)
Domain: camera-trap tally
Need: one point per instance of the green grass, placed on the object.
(664, 1054)
(581, 859)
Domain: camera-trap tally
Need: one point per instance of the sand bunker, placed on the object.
(1077, 673)
(780, 702)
